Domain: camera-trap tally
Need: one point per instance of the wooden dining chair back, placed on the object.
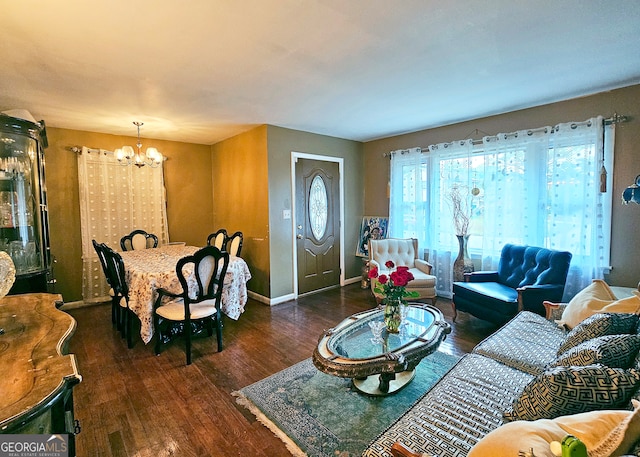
(105, 269)
(218, 239)
(201, 276)
(234, 244)
(120, 299)
(138, 239)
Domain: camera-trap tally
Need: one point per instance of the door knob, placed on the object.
(299, 236)
(299, 227)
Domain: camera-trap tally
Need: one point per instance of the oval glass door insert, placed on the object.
(318, 210)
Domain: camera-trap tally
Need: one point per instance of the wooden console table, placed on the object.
(38, 374)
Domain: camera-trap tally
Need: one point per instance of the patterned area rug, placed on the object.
(320, 415)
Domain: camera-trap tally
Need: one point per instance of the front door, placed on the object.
(317, 224)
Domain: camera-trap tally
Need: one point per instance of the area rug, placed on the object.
(319, 415)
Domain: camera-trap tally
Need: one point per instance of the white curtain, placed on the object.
(115, 200)
(408, 212)
(538, 187)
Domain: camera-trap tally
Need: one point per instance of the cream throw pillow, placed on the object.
(604, 433)
(596, 298)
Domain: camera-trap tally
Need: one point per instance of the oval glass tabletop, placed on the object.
(380, 362)
(367, 338)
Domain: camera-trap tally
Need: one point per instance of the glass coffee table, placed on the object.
(380, 363)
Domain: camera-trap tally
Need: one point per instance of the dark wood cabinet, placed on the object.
(38, 373)
(24, 219)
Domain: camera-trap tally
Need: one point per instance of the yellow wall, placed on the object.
(187, 181)
(625, 219)
(241, 199)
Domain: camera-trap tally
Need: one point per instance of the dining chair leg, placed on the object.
(219, 329)
(129, 330)
(156, 326)
(187, 334)
(123, 322)
(115, 312)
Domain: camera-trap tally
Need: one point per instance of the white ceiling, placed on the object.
(201, 71)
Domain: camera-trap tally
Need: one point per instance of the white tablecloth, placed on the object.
(150, 269)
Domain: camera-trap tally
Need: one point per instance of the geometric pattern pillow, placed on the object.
(560, 391)
(615, 351)
(600, 324)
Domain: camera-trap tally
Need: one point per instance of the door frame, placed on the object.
(294, 160)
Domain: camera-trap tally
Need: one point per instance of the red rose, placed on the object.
(401, 276)
(373, 273)
(383, 279)
(389, 264)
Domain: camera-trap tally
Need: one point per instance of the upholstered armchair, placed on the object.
(403, 252)
(526, 277)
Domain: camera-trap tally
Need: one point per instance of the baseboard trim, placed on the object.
(82, 304)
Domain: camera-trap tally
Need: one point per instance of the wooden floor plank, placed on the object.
(134, 403)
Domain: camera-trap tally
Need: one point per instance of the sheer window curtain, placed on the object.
(114, 200)
(538, 187)
(408, 211)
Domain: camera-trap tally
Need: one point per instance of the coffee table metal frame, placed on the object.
(383, 371)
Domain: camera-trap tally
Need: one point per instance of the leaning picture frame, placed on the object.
(372, 227)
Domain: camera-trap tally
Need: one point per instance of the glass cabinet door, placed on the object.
(24, 228)
(20, 215)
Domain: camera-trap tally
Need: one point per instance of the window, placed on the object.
(539, 187)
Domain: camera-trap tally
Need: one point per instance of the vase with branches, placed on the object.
(459, 199)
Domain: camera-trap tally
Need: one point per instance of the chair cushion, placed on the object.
(487, 291)
(421, 279)
(174, 309)
(560, 391)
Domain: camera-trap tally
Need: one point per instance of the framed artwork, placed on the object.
(373, 227)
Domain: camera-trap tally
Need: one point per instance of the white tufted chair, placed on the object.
(403, 252)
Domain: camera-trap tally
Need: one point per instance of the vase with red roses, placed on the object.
(393, 288)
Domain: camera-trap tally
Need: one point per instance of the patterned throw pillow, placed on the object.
(615, 351)
(569, 390)
(600, 324)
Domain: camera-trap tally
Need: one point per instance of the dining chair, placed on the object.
(117, 277)
(234, 244)
(138, 239)
(200, 304)
(115, 314)
(218, 239)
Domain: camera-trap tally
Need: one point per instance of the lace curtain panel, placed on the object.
(537, 187)
(115, 200)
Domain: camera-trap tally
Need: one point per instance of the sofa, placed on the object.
(526, 277)
(531, 373)
(403, 251)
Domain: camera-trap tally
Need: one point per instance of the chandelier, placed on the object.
(128, 156)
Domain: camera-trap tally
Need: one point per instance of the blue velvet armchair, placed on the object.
(526, 277)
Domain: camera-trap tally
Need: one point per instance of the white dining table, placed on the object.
(147, 270)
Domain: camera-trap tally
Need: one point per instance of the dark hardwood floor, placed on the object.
(134, 403)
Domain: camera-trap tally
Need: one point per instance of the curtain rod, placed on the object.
(614, 119)
(78, 150)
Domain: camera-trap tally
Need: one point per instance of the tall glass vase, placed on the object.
(393, 316)
(463, 263)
